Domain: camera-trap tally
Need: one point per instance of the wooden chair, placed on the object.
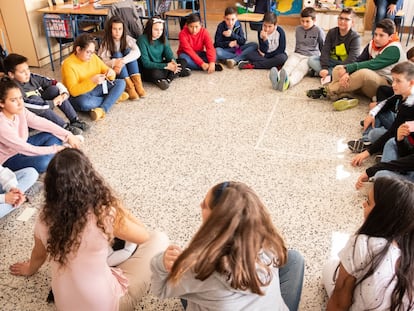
(181, 11)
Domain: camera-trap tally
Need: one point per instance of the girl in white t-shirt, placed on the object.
(376, 267)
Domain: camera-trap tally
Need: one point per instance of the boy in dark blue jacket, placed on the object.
(230, 42)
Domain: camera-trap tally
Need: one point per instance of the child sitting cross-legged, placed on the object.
(41, 94)
(230, 42)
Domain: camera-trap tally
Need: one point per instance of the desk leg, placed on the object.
(48, 44)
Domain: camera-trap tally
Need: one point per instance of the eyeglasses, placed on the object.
(344, 19)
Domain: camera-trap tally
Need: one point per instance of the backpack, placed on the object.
(3, 54)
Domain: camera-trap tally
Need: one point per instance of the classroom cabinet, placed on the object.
(23, 29)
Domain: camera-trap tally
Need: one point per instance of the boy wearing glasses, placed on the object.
(342, 46)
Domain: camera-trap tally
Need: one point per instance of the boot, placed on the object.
(130, 89)
(138, 84)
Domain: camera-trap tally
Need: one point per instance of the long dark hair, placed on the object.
(83, 41)
(6, 84)
(148, 29)
(108, 41)
(230, 240)
(392, 218)
(73, 189)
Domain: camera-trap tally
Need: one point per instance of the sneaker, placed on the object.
(361, 123)
(80, 124)
(311, 73)
(162, 84)
(97, 114)
(345, 103)
(185, 72)
(230, 63)
(35, 189)
(274, 77)
(245, 64)
(378, 158)
(73, 129)
(124, 96)
(317, 93)
(218, 67)
(357, 146)
(283, 83)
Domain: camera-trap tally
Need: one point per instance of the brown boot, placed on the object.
(130, 89)
(138, 84)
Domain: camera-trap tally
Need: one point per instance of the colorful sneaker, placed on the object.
(97, 114)
(245, 64)
(163, 84)
(317, 93)
(283, 83)
(230, 63)
(218, 67)
(345, 103)
(358, 145)
(124, 96)
(274, 77)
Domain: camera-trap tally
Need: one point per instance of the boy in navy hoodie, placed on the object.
(230, 42)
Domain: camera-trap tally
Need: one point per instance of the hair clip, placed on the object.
(156, 20)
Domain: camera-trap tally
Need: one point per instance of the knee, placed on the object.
(158, 241)
(43, 162)
(296, 258)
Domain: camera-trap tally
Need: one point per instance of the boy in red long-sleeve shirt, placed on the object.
(196, 46)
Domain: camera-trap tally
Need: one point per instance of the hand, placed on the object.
(118, 64)
(21, 268)
(403, 131)
(340, 69)
(344, 80)
(14, 197)
(260, 53)
(233, 44)
(174, 67)
(369, 121)
(263, 35)
(323, 73)
(204, 66)
(359, 158)
(392, 9)
(372, 105)
(361, 179)
(211, 67)
(98, 79)
(227, 33)
(58, 100)
(74, 141)
(170, 256)
(110, 74)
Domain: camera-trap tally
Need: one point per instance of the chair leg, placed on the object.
(410, 32)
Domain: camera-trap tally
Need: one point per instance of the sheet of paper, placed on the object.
(27, 214)
(326, 80)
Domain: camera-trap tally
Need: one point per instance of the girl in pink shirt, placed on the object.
(17, 149)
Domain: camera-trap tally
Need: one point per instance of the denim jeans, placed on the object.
(383, 122)
(96, 97)
(314, 62)
(129, 69)
(66, 107)
(39, 162)
(231, 53)
(382, 10)
(390, 151)
(190, 62)
(26, 177)
(290, 278)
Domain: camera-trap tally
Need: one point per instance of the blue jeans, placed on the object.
(382, 8)
(290, 278)
(129, 69)
(39, 162)
(96, 98)
(383, 122)
(190, 62)
(231, 53)
(314, 62)
(26, 177)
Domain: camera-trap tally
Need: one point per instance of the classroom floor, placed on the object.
(161, 154)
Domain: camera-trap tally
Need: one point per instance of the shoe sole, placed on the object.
(344, 104)
(273, 76)
(282, 78)
(357, 147)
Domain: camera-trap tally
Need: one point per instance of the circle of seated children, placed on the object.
(92, 85)
(120, 52)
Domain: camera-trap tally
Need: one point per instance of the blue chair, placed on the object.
(410, 32)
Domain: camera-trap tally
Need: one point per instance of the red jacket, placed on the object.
(191, 44)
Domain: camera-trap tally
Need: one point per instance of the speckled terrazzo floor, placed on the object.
(164, 152)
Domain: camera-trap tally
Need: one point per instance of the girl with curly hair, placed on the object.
(232, 263)
(75, 228)
(376, 267)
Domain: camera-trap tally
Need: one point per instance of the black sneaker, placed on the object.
(185, 72)
(317, 93)
(163, 84)
(74, 130)
(311, 73)
(357, 146)
(218, 67)
(361, 123)
(80, 124)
